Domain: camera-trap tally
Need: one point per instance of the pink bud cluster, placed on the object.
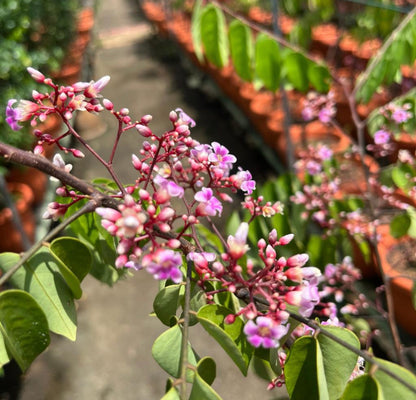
(320, 106)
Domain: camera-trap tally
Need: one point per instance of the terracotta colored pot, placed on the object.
(85, 20)
(401, 281)
(316, 132)
(324, 37)
(11, 239)
(260, 16)
(35, 179)
(261, 106)
(154, 13)
(246, 94)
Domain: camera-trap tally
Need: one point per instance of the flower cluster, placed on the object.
(179, 183)
(319, 106)
(395, 116)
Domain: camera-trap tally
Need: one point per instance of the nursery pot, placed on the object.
(33, 178)
(398, 260)
(11, 239)
(316, 132)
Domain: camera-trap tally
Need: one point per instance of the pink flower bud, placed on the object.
(286, 239)
(261, 244)
(273, 237)
(298, 260)
(173, 116)
(108, 104)
(294, 298)
(144, 130)
(121, 261)
(294, 274)
(144, 194)
(174, 243)
(137, 164)
(124, 111)
(77, 153)
(146, 119)
(36, 75)
(229, 319)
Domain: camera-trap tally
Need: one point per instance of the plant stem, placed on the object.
(185, 331)
(88, 207)
(27, 158)
(108, 166)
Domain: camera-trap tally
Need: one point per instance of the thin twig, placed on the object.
(185, 331)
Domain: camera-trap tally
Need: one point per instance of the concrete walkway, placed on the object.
(111, 358)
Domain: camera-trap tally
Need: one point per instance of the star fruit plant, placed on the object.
(258, 310)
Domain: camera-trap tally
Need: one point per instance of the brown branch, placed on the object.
(29, 159)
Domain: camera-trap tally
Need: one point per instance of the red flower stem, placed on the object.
(108, 166)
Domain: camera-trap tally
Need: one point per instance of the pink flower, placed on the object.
(171, 187)
(221, 157)
(381, 137)
(13, 115)
(185, 117)
(164, 264)
(94, 88)
(209, 205)
(242, 180)
(400, 115)
(264, 332)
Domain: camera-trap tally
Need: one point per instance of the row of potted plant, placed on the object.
(65, 50)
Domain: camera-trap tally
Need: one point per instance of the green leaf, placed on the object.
(23, 326)
(172, 394)
(339, 362)
(319, 77)
(166, 351)
(167, 302)
(242, 49)
(207, 369)
(304, 371)
(196, 30)
(74, 261)
(400, 176)
(214, 36)
(73, 254)
(391, 388)
(40, 276)
(394, 53)
(399, 225)
(198, 300)
(4, 357)
(202, 390)
(229, 336)
(262, 369)
(296, 68)
(364, 387)
(268, 62)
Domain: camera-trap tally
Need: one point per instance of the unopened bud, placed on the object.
(36, 75)
(108, 104)
(144, 130)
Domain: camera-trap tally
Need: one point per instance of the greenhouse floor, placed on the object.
(111, 358)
